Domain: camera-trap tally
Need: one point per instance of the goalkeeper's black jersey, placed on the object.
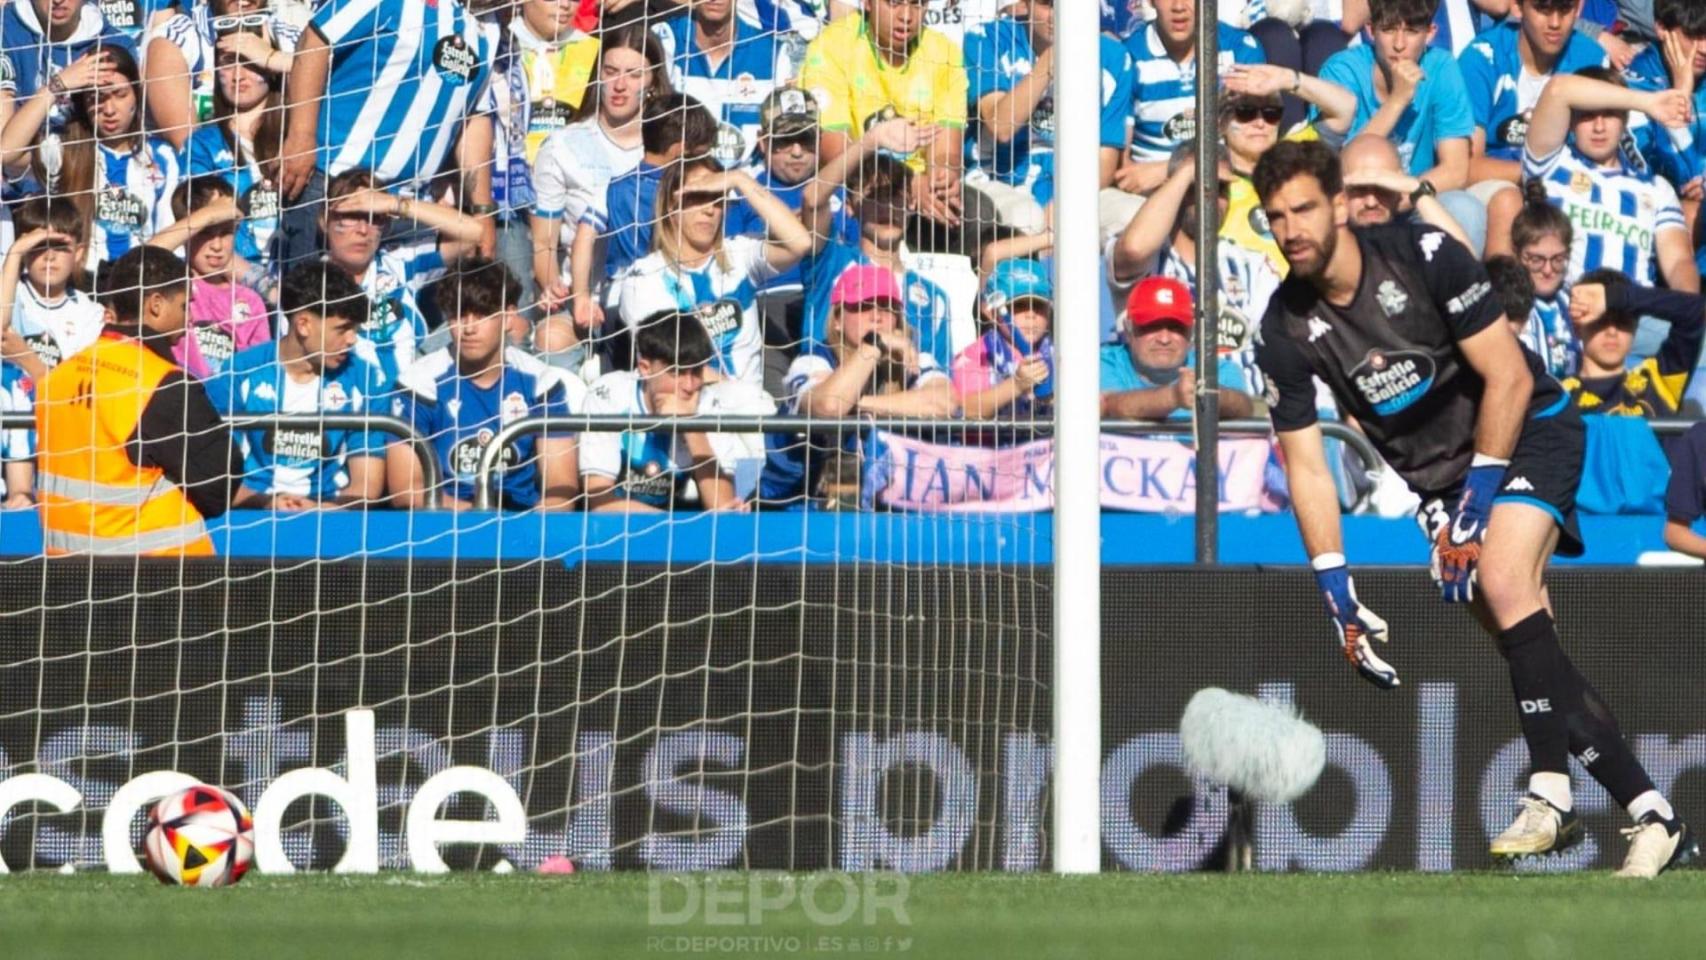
(1391, 358)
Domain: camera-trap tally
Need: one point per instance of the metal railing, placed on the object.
(328, 421)
(484, 497)
(483, 491)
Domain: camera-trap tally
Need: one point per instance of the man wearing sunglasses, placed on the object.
(788, 160)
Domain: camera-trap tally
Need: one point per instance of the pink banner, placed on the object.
(1157, 476)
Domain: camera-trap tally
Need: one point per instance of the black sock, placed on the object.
(1562, 714)
(1541, 680)
(1598, 743)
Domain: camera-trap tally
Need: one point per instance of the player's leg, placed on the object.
(1560, 711)
(1511, 605)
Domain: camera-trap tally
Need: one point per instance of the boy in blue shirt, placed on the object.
(1678, 61)
(1414, 95)
(460, 396)
(319, 366)
(1505, 68)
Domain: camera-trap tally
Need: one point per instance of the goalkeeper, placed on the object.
(1402, 323)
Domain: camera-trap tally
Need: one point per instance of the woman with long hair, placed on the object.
(241, 138)
(1541, 236)
(694, 268)
(601, 142)
(184, 54)
(120, 177)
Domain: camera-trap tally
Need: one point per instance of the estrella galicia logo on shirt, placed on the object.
(455, 59)
(119, 211)
(260, 202)
(720, 318)
(122, 14)
(215, 342)
(45, 349)
(295, 444)
(1513, 132)
(1183, 126)
(465, 456)
(1392, 381)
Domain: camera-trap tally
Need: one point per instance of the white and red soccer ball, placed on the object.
(201, 836)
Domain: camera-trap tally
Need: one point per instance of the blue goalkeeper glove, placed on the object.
(1356, 624)
(1457, 552)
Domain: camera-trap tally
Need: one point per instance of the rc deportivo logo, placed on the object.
(1392, 381)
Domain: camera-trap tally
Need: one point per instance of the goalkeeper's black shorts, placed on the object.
(1545, 472)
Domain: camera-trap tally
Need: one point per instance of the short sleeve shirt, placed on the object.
(855, 87)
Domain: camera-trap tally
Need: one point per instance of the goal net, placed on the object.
(426, 633)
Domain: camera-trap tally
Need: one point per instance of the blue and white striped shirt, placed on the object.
(734, 89)
(1617, 212)
(1164, 94)
(133, 194)
(405, 74)
(1551, 336)
(394, 282)
(210, 154)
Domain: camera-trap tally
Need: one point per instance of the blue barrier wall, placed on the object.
(826, 538)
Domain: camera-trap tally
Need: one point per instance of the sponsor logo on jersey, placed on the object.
(1392, 381)
(119, 211)
(453, 58)
(1392, 298)
(1595, 219)
(1234, 332)
(1468, 298)
(45, 348)
(122, 14)
(295, 443)
(1513, 132)
(1259, 222)
(260, 201)
(1182, 127)
(1431, 242)
(465, 456)
(215, 343)
(1318, 328)
(721, 317)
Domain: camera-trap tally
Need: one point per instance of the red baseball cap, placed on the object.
(1157, 299)
(864, 283)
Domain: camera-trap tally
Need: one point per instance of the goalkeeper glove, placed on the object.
(1356, 623)
(1458, 549)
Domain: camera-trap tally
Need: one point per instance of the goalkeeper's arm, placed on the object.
(1314, 496)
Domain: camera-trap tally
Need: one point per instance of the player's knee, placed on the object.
(1507, 588)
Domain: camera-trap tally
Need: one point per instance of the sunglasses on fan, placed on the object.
(1248, 112)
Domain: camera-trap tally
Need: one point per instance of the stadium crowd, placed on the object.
(465, 213)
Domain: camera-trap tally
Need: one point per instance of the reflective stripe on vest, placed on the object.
(102, 494)
(170, 538)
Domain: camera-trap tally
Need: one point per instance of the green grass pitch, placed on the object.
(1384, 916)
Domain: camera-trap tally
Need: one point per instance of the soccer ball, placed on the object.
(201, 836)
